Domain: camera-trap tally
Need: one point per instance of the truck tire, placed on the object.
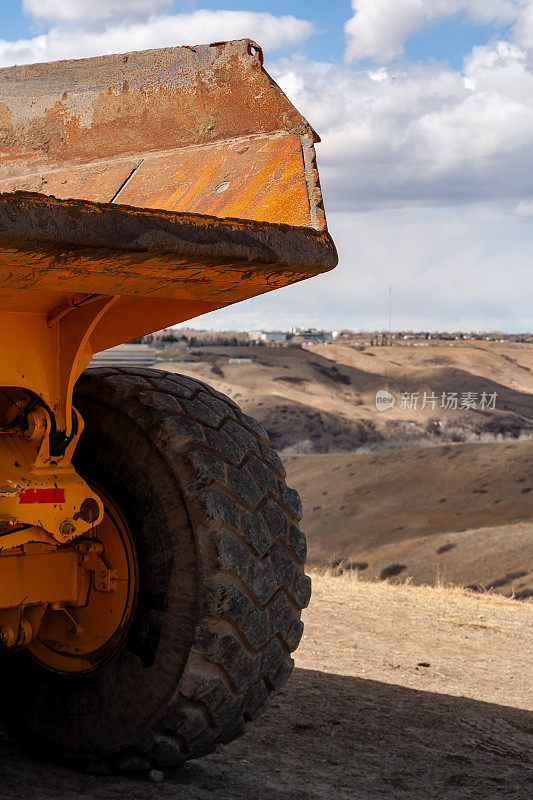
(220, 583)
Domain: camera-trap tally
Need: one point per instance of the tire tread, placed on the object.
(254, 587)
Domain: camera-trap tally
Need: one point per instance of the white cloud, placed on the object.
(523, 29)
(62, 42)
(427, 174)
(74, 10)
(379, 28)
(463, 268)
(420, 133)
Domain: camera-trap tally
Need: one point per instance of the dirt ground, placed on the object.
(399, 692)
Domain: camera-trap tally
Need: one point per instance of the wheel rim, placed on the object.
(83, 639)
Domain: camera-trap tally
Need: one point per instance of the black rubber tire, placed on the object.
(221, 582)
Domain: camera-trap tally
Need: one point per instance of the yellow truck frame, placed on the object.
(136, 191)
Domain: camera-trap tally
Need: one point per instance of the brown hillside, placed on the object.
(322, 399)
(461, 513)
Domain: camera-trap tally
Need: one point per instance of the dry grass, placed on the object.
(342, 583)
(477, 645)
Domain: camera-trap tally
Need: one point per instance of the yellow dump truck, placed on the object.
(151, 563)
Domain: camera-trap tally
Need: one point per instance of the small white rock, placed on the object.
(156, 776)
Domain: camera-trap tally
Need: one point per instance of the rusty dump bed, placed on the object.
(183, 175)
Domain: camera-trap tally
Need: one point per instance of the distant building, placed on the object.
(311, 334)
(270, 337)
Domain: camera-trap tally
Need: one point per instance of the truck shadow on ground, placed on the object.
(327, 736)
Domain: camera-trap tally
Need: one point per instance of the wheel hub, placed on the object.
(82, 639)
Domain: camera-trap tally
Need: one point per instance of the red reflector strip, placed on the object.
(42, 496)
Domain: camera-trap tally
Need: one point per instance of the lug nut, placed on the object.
(67, 528)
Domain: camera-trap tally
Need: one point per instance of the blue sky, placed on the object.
(449, 40)
(425, 111)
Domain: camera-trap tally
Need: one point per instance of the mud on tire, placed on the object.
(221, 581)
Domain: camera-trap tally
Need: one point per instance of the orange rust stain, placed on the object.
(154, 101)
(261, 179)
(258, 179)
(97, 183)
(139, 274)
(217, 275)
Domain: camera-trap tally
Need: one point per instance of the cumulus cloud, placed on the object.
(379, 29)
(426, 172)
(523, 29)
(420, 133)
(62, 41)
